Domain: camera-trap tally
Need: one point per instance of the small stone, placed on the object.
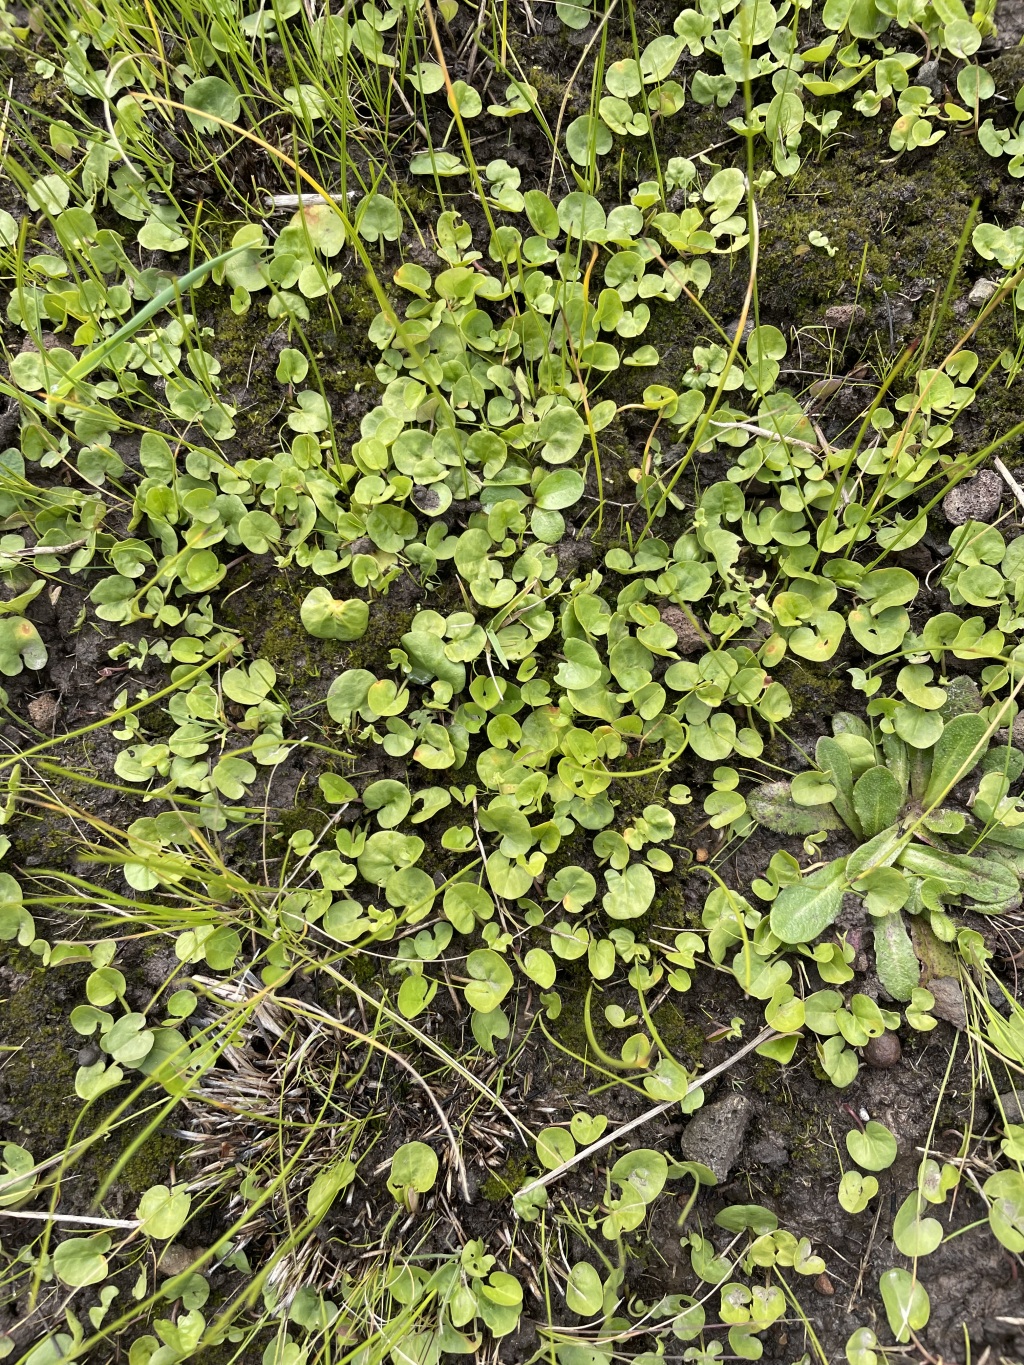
(769, 1150)
(1010, 1107)
(88, 1055)
(975, 499)
(928, 76)
(43, 711)
(996, 998)
(949, 1001)
(883, 1052)
(842, 315)
(824, 1286)
(176, 1259)
(981, 291)
(1017, 730)
(688, 638)
(714, 1137)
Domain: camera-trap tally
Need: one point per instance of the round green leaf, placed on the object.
(587, 138)
(79, 1261)
(163, 1211)
(20, 645)
(327, 618)
(559, 489)
(211, 95)
(414, 1166)
(492, 980)
(584, 1293)
(391, 801)
(554, 1146)
(907, 1305)
(874, 1148)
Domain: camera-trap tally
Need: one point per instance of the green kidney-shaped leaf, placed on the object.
(559, 489)
(554, 1147)
(162, 1211)
(414, 1166)
(391, 801)
(327, 618)
(211, 95)
(856, 1191)
(1006, 1214)
(880, 634)
(645, 1170)
(907, 1305)
(585, 137)
(629, 893)
(79, 1261)
(20, 645)
(874, 1148)
(915, 1236)
(492, 980)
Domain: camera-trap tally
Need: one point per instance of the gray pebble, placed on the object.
(769, 1150)
(842, 315)
(928, 76)
(949, 1001)
(975, 499)
(176, 1259)
(88, 1055)
(688, 637)
(1012, 1106)
(714, 1137)
(981, 291)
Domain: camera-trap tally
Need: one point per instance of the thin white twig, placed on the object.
(763, 431)
(625, 1128)
(129, 1224)
(1009, 480)
(42, 550)
(279, 202)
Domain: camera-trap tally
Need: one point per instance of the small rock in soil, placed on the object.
(1012, 1106)
(949, 1001)
(928, 76)
(884, 1052)
(918, 559)
(176, 1259)
(43, 711)
(715, 1136)
(688, 639)
(981, 292)
(844, 315)
(824, 1285)
(1017, 730)
(975, 499)
(769, 1150)
(88, 1055)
